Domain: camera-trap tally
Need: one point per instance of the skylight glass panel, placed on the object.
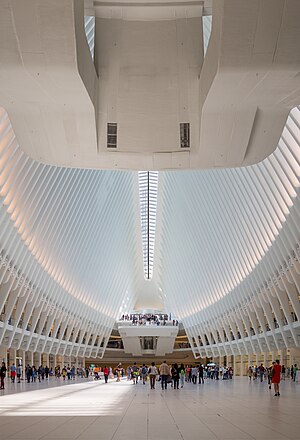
(148, 181)
(207, 22)
(89, 25)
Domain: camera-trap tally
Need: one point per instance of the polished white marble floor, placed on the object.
(91, 410)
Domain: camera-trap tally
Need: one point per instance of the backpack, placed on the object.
(144, 370)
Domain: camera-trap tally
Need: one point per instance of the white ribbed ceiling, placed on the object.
(228, 235)
(77, 244)
(71, 233)
(74, 237)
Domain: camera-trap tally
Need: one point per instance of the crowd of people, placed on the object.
(150, 319)
(262, 373)
(274, 374)
(35, 374)
(163, 374)
(175, 374)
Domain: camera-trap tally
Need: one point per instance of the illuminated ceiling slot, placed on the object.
(148, 203)
(89, 26)
(207, 22)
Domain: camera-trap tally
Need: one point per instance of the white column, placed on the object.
(12, 356)
(255, 359)
(3, 354)
(243, 365)
(23, 363)
(252, 360)
(39, 358)
(265, 359)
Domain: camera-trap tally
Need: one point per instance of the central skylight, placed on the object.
(148, 181)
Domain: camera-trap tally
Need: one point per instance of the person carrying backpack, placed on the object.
(144, 373)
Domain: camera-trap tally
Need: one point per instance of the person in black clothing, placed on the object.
(28, 372)
(46, 371)
(175, 376)
(2, 375)
(201, 374)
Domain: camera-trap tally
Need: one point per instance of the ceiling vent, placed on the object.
(112, 135)
(184, 135)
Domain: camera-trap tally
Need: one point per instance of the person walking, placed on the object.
(250, 372)
(39, 373)
(270, 374)
(262, 370)
(34, 374)
(118, 372)
(106, 373)
(201, 371)
(144, 373)
(19, 373)
(182, 375)
(13, 373)
(194, 374)
(295, 369)
(175, 373)
(152, 375)
(276, 377)
(135, 373)
(2, 375)
(46, 371)
(164, 371)
(28, 373)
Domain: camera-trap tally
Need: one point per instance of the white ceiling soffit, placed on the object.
(148, 77)
(148, 10)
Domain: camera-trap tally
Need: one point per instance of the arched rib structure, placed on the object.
(69, 252)
(229, 251)
(226, 259)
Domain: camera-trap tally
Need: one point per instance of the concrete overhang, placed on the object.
(149, 76)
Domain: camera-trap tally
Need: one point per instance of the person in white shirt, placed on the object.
(152, 371)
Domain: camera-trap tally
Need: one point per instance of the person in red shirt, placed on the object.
(276, 373)
(106, 373)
